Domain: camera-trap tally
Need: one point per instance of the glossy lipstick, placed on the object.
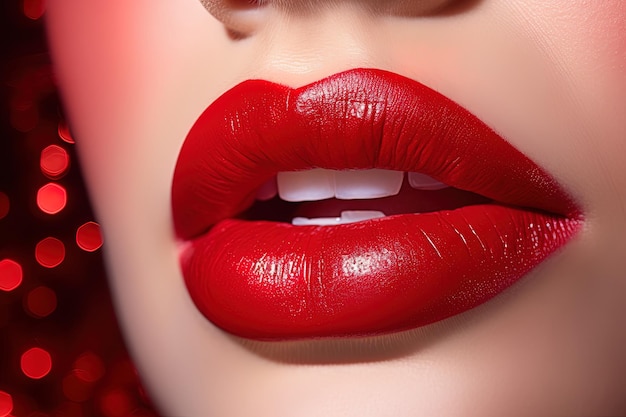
(274, 281)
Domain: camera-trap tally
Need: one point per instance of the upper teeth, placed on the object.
(320, 184)
(424, 182)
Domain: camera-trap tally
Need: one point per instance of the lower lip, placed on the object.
(274, 281)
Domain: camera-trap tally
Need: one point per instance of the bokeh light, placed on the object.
(33, 9)
(64, 132)
(115, 403)
(51, 198)
(50, 252)
(10, 275)
(88, 237)
(5, 205)
(6, 404)
(63, 319)
(89, 367)
(36, 363)
(54, 161)
(41, 301)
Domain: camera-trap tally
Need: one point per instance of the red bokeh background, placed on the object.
(61, 352)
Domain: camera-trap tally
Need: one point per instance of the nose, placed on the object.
(243, 17)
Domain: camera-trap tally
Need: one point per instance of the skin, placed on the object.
(548, 76)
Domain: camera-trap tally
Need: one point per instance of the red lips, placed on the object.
(270, 280)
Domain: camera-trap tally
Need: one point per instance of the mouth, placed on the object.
(362, 204)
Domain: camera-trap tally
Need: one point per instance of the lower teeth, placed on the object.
(350, 216)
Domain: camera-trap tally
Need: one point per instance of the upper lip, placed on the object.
(378, 120)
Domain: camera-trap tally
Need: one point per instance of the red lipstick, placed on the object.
(273, 281)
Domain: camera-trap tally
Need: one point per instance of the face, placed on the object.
(548, 77)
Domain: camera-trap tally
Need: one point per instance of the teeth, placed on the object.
(371, 183)
(353, 216)
(311, 185)
(424, 182)
(350, 216)
(319, 184)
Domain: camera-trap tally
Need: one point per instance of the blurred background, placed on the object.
(61, 352)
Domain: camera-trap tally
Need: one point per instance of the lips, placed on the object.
(271, 280)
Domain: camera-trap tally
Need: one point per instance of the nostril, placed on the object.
(240, 17)
(243, 4)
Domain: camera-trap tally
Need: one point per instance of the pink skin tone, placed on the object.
(547, 76)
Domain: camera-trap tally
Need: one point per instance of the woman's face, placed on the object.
(549, 77)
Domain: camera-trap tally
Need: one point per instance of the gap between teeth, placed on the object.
(320, 184)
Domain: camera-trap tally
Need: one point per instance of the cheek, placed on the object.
(593, 56)
(584, 44)
(133, 92)
(599, 29)
(591, 44)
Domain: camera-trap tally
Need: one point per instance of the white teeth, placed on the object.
(318, 221)
(319, 184)
(424, 182)
(352, 216)
(365, 184)
(267, 190)
(311, 185)
(349, 216)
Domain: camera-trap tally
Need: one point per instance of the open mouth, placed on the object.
(323, 197)
(362, 204)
